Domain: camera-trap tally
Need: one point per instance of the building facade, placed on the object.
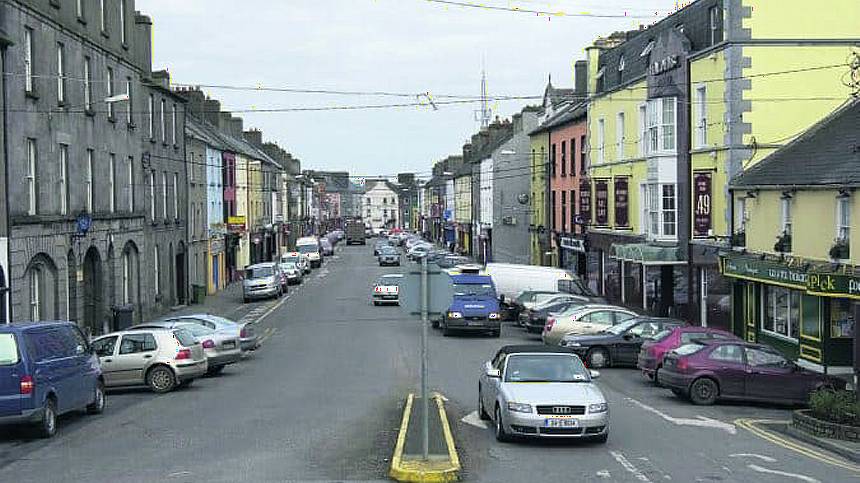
(381, 205)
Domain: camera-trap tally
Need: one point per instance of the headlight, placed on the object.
(570, 343)
(598, 408)
(519, 407)
(494, 315)
(455, 315)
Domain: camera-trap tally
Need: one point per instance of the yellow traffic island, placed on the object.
(408, 463)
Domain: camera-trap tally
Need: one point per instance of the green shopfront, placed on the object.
(799, 308)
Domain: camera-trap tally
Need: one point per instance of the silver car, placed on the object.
(292, 271)
(540, 391)
(159, 358)
(221, 348)
(262, 280)
(386, 289)
(246, 331)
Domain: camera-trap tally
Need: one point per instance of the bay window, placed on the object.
(661, 126)
(660, 210)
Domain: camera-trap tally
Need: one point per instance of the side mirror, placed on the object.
(80, 350)
(594, 374)
(629, 336)
(494, 373)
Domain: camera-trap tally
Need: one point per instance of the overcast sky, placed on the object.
(404, 46)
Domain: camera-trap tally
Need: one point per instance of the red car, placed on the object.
(652, 351)
(712, 369)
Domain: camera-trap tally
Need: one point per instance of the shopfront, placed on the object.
(800, 309)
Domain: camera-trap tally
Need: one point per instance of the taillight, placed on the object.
(681, 364)
(183, 354)
(549, 323)
(27, 385)
(208, 344)
(243, 333)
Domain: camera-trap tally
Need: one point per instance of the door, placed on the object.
(11, 370)
(769, 375)
(105, 348)
(627, 349)
(136, 353)
(728, 360)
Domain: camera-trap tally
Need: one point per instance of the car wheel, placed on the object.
(501, 434)
(601, 439)
(597, 358)
(216, 370)
(703, 392)
(160, 379)
(482, 413)
(246, 300)
(434, 323)
(375, 303)
(99, 401)
(47, 426)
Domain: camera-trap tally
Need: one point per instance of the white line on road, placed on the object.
(604, 474)
(753, 455)
(630, 467)
(700, 421)
(473, 419)
(805, 478)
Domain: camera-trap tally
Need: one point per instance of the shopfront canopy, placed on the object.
(647, 254)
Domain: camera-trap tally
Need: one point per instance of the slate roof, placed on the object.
(827, 154)
(204, 132)
(567, 114)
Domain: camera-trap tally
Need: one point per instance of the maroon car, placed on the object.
(712, 369)
(652, 351)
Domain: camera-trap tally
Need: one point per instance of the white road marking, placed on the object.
(473, 419)
(805, 478)
(630, 467)
(440, 396)
(753, 455)
(700, 421)
(604, 474)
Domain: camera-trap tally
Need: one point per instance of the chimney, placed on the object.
(195, 101)
(212, 112)
(161, 78)
(580, 78)
(254, 136)
(224, 122)
(141, 37)
(237, 127)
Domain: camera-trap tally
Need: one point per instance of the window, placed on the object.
(28, 59)
(781, 311)
(123, 32)
(79, 8)
(619, 136)
(843, 218)
(130, 184)
(660, 214)
(156, 262)
(572, 210)
(603, 317)
(63, 179)
(669, 212)
(740, 214)
(554, 210)
(727, 353)
(136, 343)
(152, 195)
(564, 211)
(785, 209)
(701, 117)
(583, 154)
(112, 182)
(643, 129)
(661, 125)
(841, 319)
(573, 156)
(32, 178)
(35, 293)
(601, 140)
(103, 15)
(175, 196)
(61, 74)
(564, 158)
(88, 181)
(763, 358)
(714, 15)
(126, 278)
(105, 347)
(128, 91)
(173, 125)
(648, 48)
(88, 84)
(164, 195)
(668, 126)
(163, 123)
(554, 160)
(110, 92)
(150, 110)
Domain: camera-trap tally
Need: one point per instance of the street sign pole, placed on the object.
(425, 420)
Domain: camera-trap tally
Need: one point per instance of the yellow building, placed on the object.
(795, 258)
(463, 208)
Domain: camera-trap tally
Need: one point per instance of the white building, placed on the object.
(381, 204)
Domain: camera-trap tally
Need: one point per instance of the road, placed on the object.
(320, 402)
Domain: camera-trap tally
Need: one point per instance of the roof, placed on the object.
(827, 154)
(568, 113)
(204, 132)
(471, 278)
(514, 349)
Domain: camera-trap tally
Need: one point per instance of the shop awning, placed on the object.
(647, 254)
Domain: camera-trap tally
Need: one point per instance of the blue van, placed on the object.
(475, 307)
(47, 369)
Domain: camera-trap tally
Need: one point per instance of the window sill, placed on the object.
(90, 112)
(31, 95)
(105, 34)
(111, 119)
(82, 20)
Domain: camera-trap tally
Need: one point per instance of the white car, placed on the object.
(386, 289)
(310, 246)
(300, 259)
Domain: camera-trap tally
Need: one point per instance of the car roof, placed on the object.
(603, 307)
(261, 265)
(392, 275)
(28, 325)
(669, 320)
(535, 348)
(471, 278)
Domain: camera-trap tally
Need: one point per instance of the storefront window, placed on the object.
(781, 311)
(841, 319)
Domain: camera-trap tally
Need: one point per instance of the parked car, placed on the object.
(546, 301)
(419, 251)
(386, 289)
(300, 259)
(327, 247)
(221, 349)
(512, 308)
(475, 305)
(618, 345)
(378, 245)
(449, 260)
(712, 369)
(541, 391)
(159, 358)
(585, 319)
(388, 256)
(246, 331)
(292, 271)
(514, 279)
(310, 246)
(47, 369)
(262, 280)
(535, 318)
(651, 354)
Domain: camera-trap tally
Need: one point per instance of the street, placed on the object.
(320, 401)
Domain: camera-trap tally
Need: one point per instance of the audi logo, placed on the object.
(561, 410)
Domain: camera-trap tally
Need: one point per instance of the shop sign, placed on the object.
(833, 285)
(216, 246)
(573, 244)
(622, 218)
(702, 211)
(601, 203)
(236, 223)
(664, 65)
(764, 271)
(584, 203)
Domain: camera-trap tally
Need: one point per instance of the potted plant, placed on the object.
(840, 249)
(783, 243)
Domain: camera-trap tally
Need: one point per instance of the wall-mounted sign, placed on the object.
(665, 64)
(702, 197)
(573, 244)
(236, 223)
(584, 203)
(764, 271)
(834, 285)
(601, 202)
(622, 203)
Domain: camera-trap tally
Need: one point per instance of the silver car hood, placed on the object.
(573, 393)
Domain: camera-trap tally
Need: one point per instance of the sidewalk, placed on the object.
(226, 303)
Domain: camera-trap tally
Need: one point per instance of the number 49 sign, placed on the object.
(702, 207)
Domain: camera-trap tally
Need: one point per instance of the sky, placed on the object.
(406, 47)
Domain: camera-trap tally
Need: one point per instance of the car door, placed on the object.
(595, 322)
(135, 353)
(769, 375)
(729, 367)
(493, 384)
(83, 375)
(105, 348)
(627, 347)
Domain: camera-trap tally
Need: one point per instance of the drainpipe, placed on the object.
(6, 292)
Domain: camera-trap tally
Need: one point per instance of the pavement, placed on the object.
(321, 400)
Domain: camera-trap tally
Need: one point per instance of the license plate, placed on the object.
(229, 344)
(560, 423)
(475, 322)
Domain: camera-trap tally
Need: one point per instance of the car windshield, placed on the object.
(290, 259)
(389, 281)
(185, 337)
(474, 290)
(307, 249)
(388, 250)
(8, 350)
(545, 368)
(288, 266)
(258, 272)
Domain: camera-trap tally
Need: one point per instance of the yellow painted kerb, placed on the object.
(434, 470)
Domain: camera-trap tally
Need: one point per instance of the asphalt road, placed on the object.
(320, 401)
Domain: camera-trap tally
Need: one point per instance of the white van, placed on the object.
(511, 280)
(310, 246)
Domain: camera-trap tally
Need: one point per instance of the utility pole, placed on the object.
(425, 397)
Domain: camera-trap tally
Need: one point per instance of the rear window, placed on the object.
(184, 336)
(258, 272)
(688, 349)
(198, 330)
(8, 350)
(660, 336)
(688, 337)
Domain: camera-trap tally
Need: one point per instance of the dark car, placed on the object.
(47, 369)
(713, 369)
(652, 351)
(535, 319)
(451, 261)
(378, 246)
(618, 345)
(388, 256)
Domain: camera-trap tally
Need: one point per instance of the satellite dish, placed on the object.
(523, 198)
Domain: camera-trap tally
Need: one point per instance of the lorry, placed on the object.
(310, 246)
(355, 233)
(475, 306)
